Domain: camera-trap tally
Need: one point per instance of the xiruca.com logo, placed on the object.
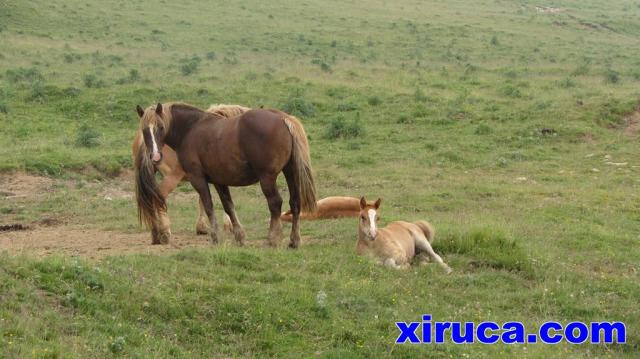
(428, 332)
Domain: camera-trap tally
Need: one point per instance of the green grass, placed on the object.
(437, 107)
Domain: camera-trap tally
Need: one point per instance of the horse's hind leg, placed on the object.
(229, 209)
(294, 203)
(270, 190)
(422, 244)
(202, 224)
(202, 187)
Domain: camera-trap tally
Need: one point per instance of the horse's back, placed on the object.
(265, 139)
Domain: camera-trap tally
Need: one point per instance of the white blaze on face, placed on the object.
(372, 223)
(155, 155)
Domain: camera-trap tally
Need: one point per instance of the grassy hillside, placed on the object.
(505, 125)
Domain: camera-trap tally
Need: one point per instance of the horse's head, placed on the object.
(153, 125)
(368, 223)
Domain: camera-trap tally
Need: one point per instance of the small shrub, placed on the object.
(117, 346)
(347, 106)
(211, 55)
(611, 76)
(92, 81)
(4, 108)
(494, 40)
(334, 43)
(325, 67)
(340, 128)
(404, 118)
(511, 91)
(24, 75)
(374, 101)
(71, 92)
(297, 105)
(483, 129)
(38, 91)
(190, 65)
(567, 83)
(87, 137)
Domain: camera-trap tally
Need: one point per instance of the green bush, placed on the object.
(87, 136)
(374, 101)
(297, 105)
(92, 81)
(611, 76)
(340, 128)
(189, 65)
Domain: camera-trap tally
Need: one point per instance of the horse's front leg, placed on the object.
(270, 190)
(229, 209)
(161, 231)
(200, 184)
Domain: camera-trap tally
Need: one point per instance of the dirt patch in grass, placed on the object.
(17, 185)
(90, 243)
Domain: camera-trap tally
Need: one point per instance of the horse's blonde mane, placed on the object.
(228, 111)
(149, 116)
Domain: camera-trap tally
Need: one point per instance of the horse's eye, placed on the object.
(377, 219)
(363, 218)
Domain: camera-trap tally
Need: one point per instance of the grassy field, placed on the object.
(509, 127)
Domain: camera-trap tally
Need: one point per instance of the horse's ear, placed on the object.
(139, 110)
(377, 204)
(159, 109)
(363, 202)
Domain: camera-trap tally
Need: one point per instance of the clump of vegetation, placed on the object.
(483, 129)
(92, 81)
(488, 248)
(374, 101)
(24, 75)
(404, 118)
(611, 76)
(4, 108)
(87, 136)
(297, 105)
(494, 40)
(346, 106)
(511, 91)
(211, 55)
(340, 128)
(133, 76)
(567, 83)
(189, 65)
(581, 70)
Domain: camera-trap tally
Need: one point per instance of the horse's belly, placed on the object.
(235, 177)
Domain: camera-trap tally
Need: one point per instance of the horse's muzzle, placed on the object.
(156, 157)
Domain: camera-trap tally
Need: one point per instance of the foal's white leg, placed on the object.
(202, 225)
(390, 262)
(423, 244)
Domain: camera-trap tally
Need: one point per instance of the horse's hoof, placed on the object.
(294, 245)
(214, 238)
(200, 231)
(240, 237)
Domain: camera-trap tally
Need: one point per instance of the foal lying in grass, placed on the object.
(396, 244)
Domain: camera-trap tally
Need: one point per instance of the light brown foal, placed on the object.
(396, 244)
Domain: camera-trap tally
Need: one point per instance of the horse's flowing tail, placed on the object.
(303, 175)
(148, 196)
(427, 229)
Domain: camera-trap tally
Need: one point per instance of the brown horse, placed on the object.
(173, 174)
(330, 207)
(396, 244)
(254, 147)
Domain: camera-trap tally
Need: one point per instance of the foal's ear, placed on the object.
(159, 109)
(377, 204)
(363, 203)
(139, 110)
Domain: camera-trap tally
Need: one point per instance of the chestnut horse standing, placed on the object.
(173, 174)
(254, 147)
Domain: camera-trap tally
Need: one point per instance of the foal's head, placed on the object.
(368, 225)
(154, 126)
